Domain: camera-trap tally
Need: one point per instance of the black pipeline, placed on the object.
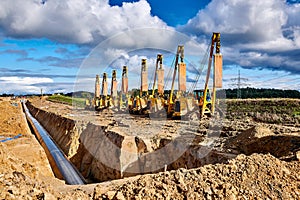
(61, 166)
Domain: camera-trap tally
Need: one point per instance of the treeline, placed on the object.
(261, 93)
(6, 95)
(23, 95)
(80, 94)
(230, 93)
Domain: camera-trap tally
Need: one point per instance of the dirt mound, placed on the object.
(260, 139)
(256, 176)
(247, 136)
(10, 119)
(260, 176)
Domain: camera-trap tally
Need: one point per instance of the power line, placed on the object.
(240, 82)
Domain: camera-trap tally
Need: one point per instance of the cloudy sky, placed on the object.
(54, 44)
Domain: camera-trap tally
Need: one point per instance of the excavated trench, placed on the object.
(102, 154)
(61, 166)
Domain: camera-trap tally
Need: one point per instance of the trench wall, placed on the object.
(97, 153)
(101, 154)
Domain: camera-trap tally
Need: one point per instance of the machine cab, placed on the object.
(198, 94)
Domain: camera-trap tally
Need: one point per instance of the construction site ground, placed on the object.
(263, 134)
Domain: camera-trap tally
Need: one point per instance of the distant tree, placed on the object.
(262, 93)
(7, 95)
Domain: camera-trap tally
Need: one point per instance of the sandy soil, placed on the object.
(25, 172)
(26, 147)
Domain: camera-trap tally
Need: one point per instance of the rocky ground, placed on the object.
(266, 136)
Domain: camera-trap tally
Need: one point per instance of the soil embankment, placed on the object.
(256, 176)
(24, 147)
(21, 156)
(104, 151)
(126, 141)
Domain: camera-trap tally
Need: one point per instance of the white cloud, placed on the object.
(77, 21)
(293, 14)
(253, 33)
(296, 34)
(260, 25)
(259, 20)
(131, 46)
(25, 80)
(22, 85)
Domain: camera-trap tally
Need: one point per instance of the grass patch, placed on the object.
(78, 102)
(297, 114)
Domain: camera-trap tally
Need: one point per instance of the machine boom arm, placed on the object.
(180, 52)
(215, 39)
(158, 61)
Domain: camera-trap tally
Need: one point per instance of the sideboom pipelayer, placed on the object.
(158, 101)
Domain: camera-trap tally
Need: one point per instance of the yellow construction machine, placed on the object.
(156, 99)
(173, 105)
(206, 102)
(101, 101)
(124, 100)
(184, 103)
(140, 102)
(112, 100)
(200, 101)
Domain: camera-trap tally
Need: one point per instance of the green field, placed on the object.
(280, 111)
(78, 102)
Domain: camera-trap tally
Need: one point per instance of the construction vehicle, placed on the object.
(170, 103)
(112, 99)
(199, 97)
(150, 102)
(124, 100)
(140, 103)
(201, 101)
(156, 100)
(158, 74)
(205, 102)
(95, 102)
(101, 101)
(173, 105)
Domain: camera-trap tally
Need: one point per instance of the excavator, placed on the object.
(150, 102)
(112, 99)
(158, 76)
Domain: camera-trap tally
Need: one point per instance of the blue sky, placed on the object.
(48, 45)
(172, 12)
